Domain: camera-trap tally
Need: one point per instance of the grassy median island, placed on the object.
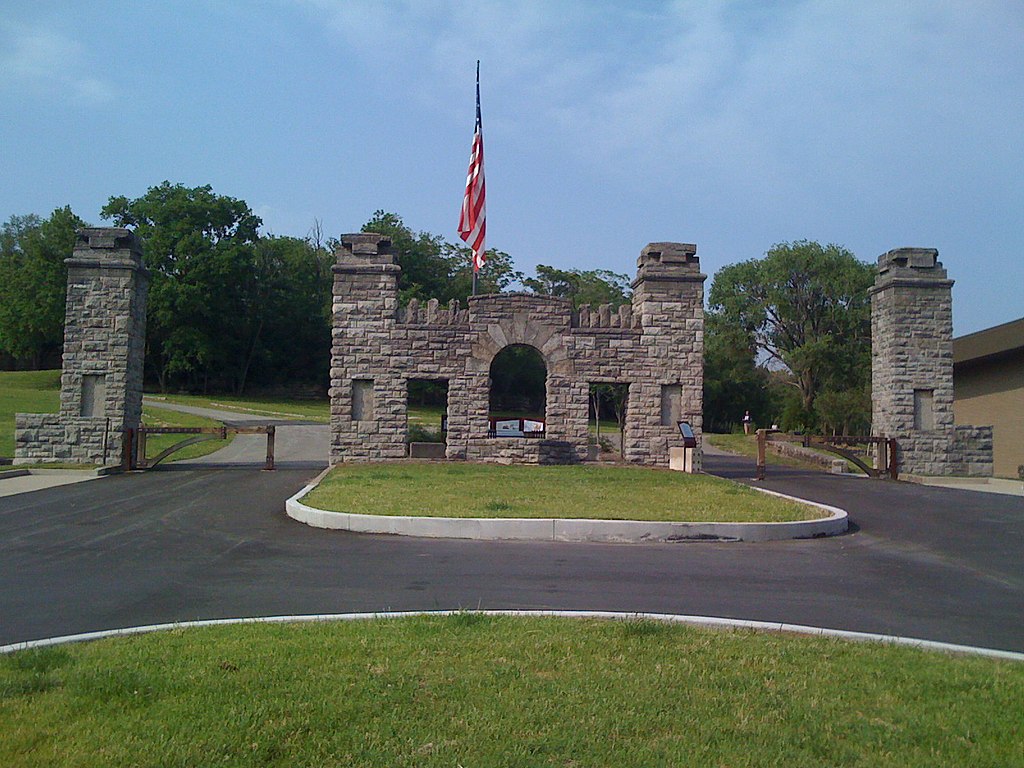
(479, 690)
(565, 492)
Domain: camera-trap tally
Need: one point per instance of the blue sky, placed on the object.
(607, 125)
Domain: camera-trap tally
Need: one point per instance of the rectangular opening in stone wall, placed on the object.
(362, 399)
(427, 417)
(608, 404)
(94, 395)
(924, 413)
(671, 404)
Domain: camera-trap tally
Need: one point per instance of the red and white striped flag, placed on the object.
(473, 219)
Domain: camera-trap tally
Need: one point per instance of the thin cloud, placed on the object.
(727, 88)
(47, 62)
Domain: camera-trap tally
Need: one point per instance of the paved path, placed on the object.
(12, 486)
(195, 543)
(297, 444)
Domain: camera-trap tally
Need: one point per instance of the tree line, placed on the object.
(233, 310)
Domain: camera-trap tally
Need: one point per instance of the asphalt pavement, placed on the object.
(187, 543)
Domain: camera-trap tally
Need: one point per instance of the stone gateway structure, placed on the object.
(654, 346)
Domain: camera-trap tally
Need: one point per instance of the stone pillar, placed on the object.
(912, 358)
(368, 399)
(104, 350)
(668, 303)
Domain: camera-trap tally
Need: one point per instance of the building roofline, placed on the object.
(990, 342)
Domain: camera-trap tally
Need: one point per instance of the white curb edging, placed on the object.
(700, 621)
(553, 529)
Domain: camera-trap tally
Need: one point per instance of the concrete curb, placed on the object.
(38, 472)
(1000, 485)
(550, 529)
(699, 621)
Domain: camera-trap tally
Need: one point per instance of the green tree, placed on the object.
(289, 327)
(33, 281)
(518, 382)
(845, 412)
(204, 296)
(434, 268)
(425, 267)
(804, 306)
(733, 381)
(593, 287)
(496, 275)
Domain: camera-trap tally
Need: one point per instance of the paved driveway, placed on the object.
(202, 543)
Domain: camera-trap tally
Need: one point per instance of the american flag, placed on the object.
(473, 220)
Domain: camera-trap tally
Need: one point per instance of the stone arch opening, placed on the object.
(518, 390)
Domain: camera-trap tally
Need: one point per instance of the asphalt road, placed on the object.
(194, 543)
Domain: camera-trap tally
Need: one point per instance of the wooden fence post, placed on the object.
(761, 439)
(270, 447)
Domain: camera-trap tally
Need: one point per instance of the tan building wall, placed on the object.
(989, 389)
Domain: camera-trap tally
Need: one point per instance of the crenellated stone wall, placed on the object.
(104, 348)
(654, 345)
(912, 368)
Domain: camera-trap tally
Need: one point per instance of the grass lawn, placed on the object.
(426, 416)
(477, 690)
(278, 408)
(587, 491)
(25, 392)
(160, 417)
(746, 445)
(39, 392)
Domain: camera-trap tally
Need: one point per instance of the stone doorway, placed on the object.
(517, 400)
(427, 417)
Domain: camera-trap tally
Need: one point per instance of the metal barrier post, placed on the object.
(270, 447)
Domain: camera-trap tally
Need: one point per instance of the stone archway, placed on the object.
(518, 383)
(537, 322)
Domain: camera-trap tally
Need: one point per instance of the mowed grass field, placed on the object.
(746, 445)
(476, 690)
(582, 491)
(25, 392)
(275, 408)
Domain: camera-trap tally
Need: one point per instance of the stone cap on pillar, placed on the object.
(366, 247)
(668, 261)
(115, 247)
(917, 263)
(667, 253)
(365, 253)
